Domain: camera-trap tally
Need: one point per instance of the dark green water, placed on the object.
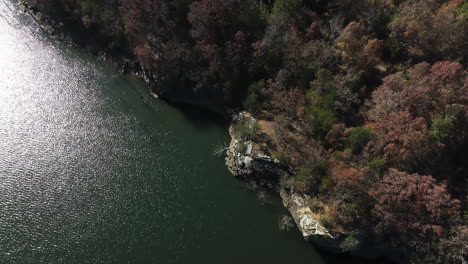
(93, 170)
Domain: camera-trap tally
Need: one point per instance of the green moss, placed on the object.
(324, 101)
(315, 175)
(327, 100)
(264, 9)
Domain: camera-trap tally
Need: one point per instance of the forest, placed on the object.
(369, 98)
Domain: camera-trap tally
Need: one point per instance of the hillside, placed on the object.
(362, 105)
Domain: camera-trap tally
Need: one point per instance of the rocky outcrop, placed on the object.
(245, 156)
(298, 206)
(357, 243)
(309, 225)
(47, 24)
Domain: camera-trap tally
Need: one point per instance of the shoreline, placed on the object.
(242, 165)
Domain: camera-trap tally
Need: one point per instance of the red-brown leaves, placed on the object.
(431, 29)
(358, 47)
(424, 91)
(345, 175)
(404, 105)
(401, 139)
(449, 83)
(414, 205)
(143, 53)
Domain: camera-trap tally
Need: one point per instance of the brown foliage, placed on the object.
(87, 22)
(431, 29)
(414, 205)
(213, 21)
(424, 91)
(401, 139)
(358, 47)
(345, 175)
(143, 53)
(143, 16)
(401, 112)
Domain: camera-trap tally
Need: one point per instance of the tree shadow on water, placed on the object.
(199, 117)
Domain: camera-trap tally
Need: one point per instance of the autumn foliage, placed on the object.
(413, 205)
(366, 100)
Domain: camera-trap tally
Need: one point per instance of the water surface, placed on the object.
(93, 170)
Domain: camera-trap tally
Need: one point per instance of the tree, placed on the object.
(424, 91)
(415, 206)
(442, 128)
(358, 47)
(431, 29)
(344, 174)
(449, 84)
(403, 107)
(211, 20)
(358, 138)
(134, 14)
(223, 32)
(401, 139)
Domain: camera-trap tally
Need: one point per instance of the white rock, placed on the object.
(247, 162)
(249, 149)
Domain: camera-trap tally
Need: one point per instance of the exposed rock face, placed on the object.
(312, 230)
(246, 157)
(47, 24)
(302, 215)
(239, 163)
(356, 243)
